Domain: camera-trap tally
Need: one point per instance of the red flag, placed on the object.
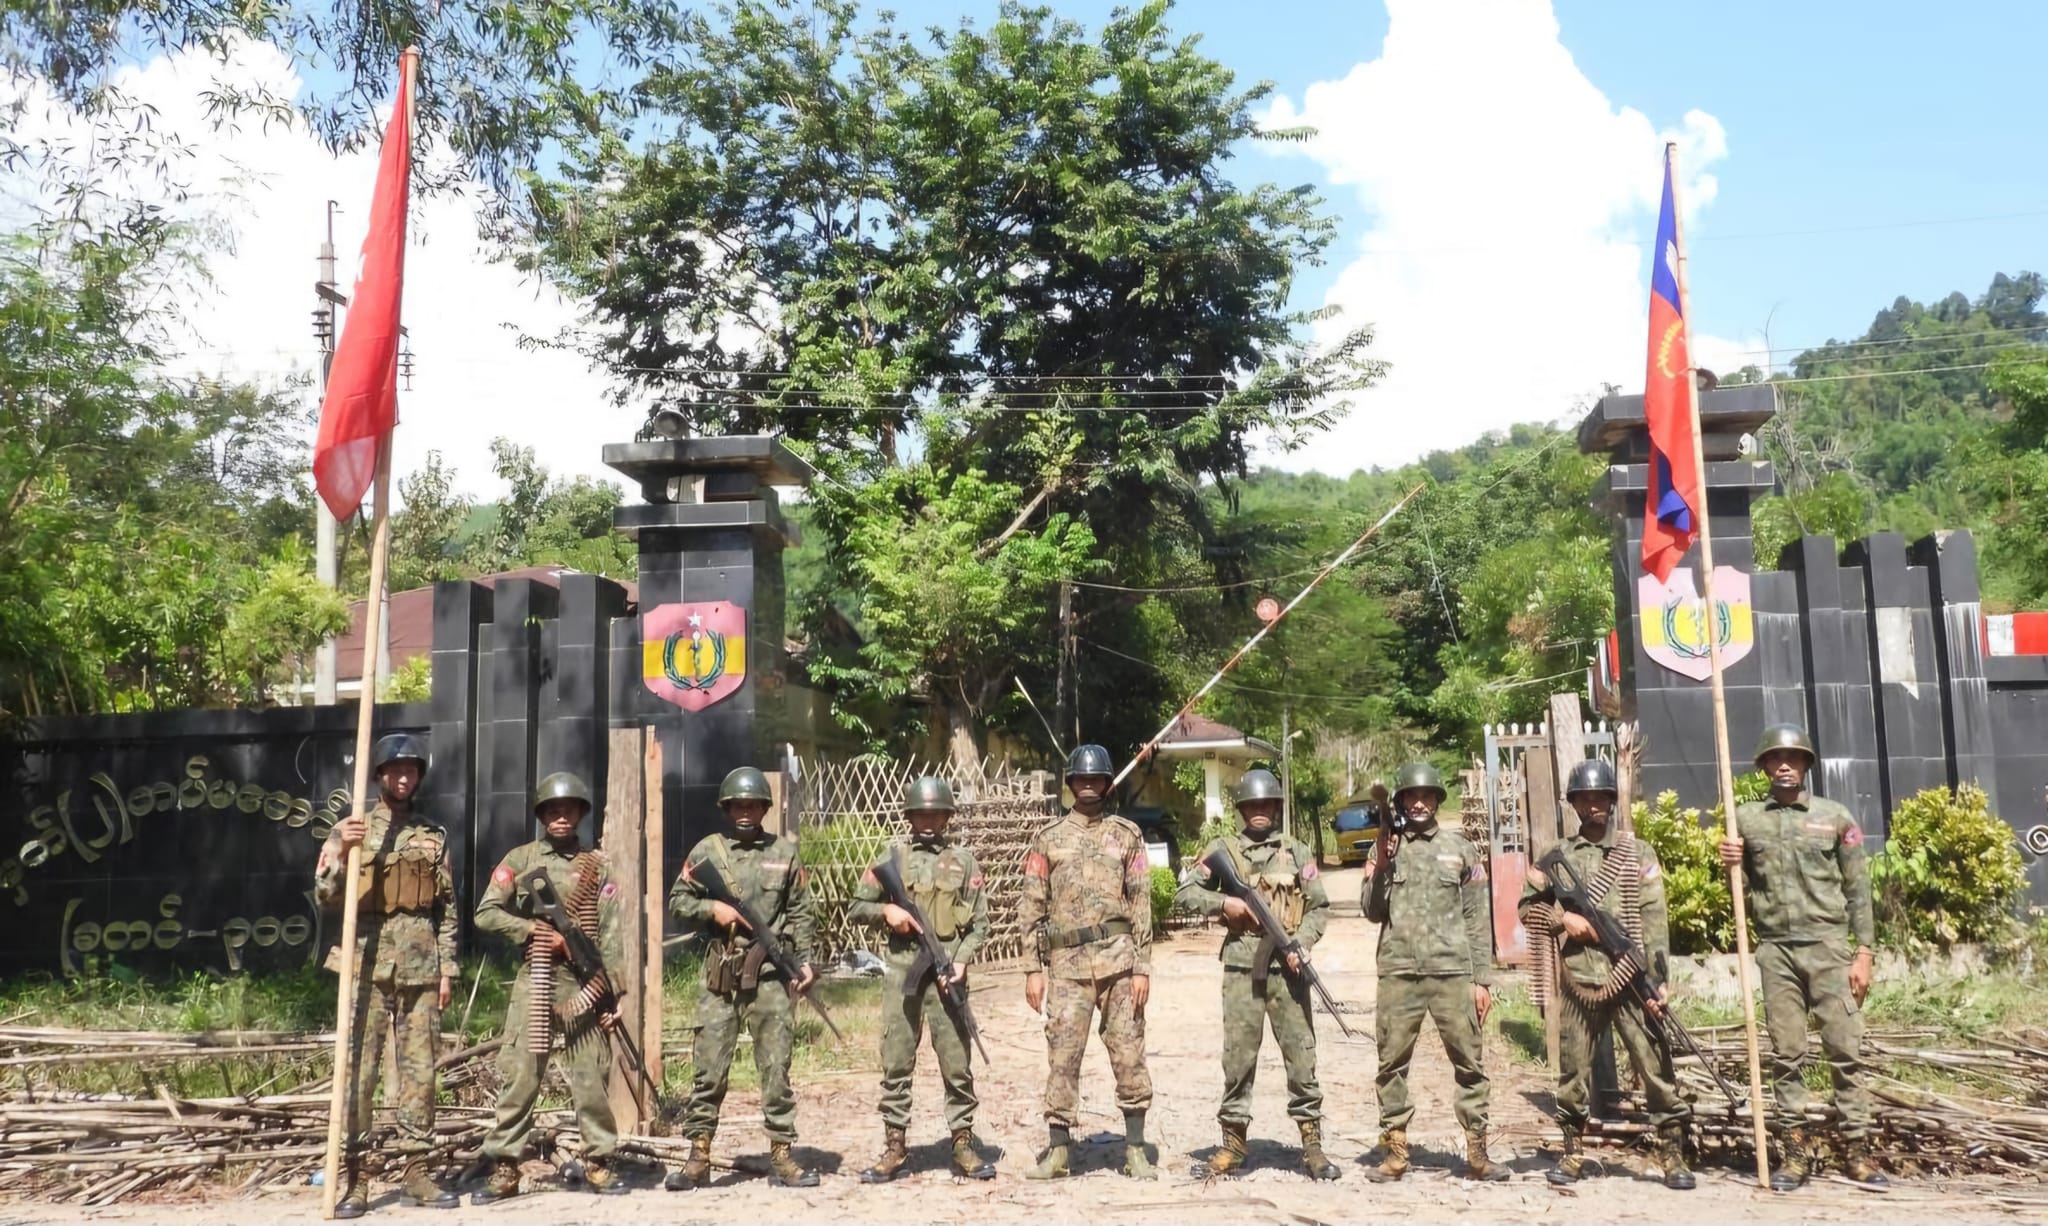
(1671, 521)
(362, 384)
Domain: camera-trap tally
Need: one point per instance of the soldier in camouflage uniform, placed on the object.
(1087, 912)
(739, 981)
(1809, 900)
(561, 803)
(405, 963)
(1427, 891)
(1285, 872)
(1592, 793)
(946, 884)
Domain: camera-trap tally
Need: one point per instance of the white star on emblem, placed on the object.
(1671, 258)
(696, 619)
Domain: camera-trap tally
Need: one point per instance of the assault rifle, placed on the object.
(598, 995)
(706, 874)
(932, 958)
(1273, 939)
(1569, 889)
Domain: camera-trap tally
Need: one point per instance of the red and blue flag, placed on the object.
(1671, 522)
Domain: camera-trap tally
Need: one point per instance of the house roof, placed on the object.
(412, 618)
(1194, 735)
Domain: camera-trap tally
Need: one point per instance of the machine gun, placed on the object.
(597, 996)
(932, 958)
(1273, 939)
(706, 874)
(1647, 983)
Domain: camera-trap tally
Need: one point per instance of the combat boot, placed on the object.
(967, 1160)
(1312, 1159)
(895, 1156)
(1477, 1164)
(1228, 1159)
(1136, 1164)
(1571, 1165)
(1395, 1164)
(784, 1170)
(1792, 1164)
(1856, 1163)
(418, 1189)
(695, 1170)
(1671, 1156)
(354, 1200)
(503, 1183)
(1052, 1164)
(601, 1177)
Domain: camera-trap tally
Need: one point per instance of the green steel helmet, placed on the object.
(1256, 785)
(745, 783)
(1784, 736)
(562, 785)
(1419, 775)
(928, 792)
(1089, 760)
(1592, 775)
(399, 747)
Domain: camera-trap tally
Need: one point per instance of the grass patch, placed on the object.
(855, 1005)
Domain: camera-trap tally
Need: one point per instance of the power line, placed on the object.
(1825, 346)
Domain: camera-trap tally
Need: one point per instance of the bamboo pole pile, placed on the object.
(1942, 1108)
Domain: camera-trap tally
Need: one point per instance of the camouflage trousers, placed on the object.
(1404, 1001)
(1578, 1027)
(1071, 1003)
(904, 1018)
(413, 1015)
(769, 1016)
(1813, 977)
(587, 1064)
(1246, 1011)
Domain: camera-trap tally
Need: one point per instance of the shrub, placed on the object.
(1164, 884)
(1950, 871)
(1702, 916)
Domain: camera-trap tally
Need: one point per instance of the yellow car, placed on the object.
(1357, 826)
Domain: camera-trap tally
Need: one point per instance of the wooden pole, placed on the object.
(1708, 621)
(345, 995)
(625, 846)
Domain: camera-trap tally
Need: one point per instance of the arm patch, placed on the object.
(503, 876)
(1035, 866)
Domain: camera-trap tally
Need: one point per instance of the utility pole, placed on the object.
(1059, 691)
(326, 327)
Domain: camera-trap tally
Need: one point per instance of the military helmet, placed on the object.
(1414, 776)
(1592, 775)
(744, 783)
(929, 793)
(562, 785)
(1784, 736)
(1089, 760)
(399, 747)
(1256, 785)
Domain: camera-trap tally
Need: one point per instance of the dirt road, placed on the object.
(841, 1134)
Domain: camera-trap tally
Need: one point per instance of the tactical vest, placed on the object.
(943, 898)
(394, 883)
(1279, 883)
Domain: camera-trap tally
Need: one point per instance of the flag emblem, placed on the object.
(1674, 624)
(694, 654)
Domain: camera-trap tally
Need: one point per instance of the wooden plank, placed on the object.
(625, 846)
(1539, 801)
(1567, 749)
(1628, 752)
(778, 821)
(656, 908)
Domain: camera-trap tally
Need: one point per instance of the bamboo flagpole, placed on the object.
(1264, 630)
(374, 367)
(1708, 620)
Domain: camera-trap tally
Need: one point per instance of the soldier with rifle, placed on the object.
(1253, 880)
(548, 998)
(1809, 898)
(1604, 876)
(745, 891)
(405, 963)
(1426, 888)
(927, 893)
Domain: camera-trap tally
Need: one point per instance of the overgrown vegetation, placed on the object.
(1950, 871)
(1687, 843)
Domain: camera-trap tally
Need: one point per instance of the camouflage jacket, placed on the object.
(1282, 869)
(1585, 962)
(507, 908)
(946, 884)
(408, 900)
(1804, 868)
(1081, 874)
(1432, 908)
(767, 874)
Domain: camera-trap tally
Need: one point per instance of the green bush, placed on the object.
(1950, 871)
(1163, 886)
(1702, 916)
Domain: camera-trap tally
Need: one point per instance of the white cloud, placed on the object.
(1508, 206)
(270, 187)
